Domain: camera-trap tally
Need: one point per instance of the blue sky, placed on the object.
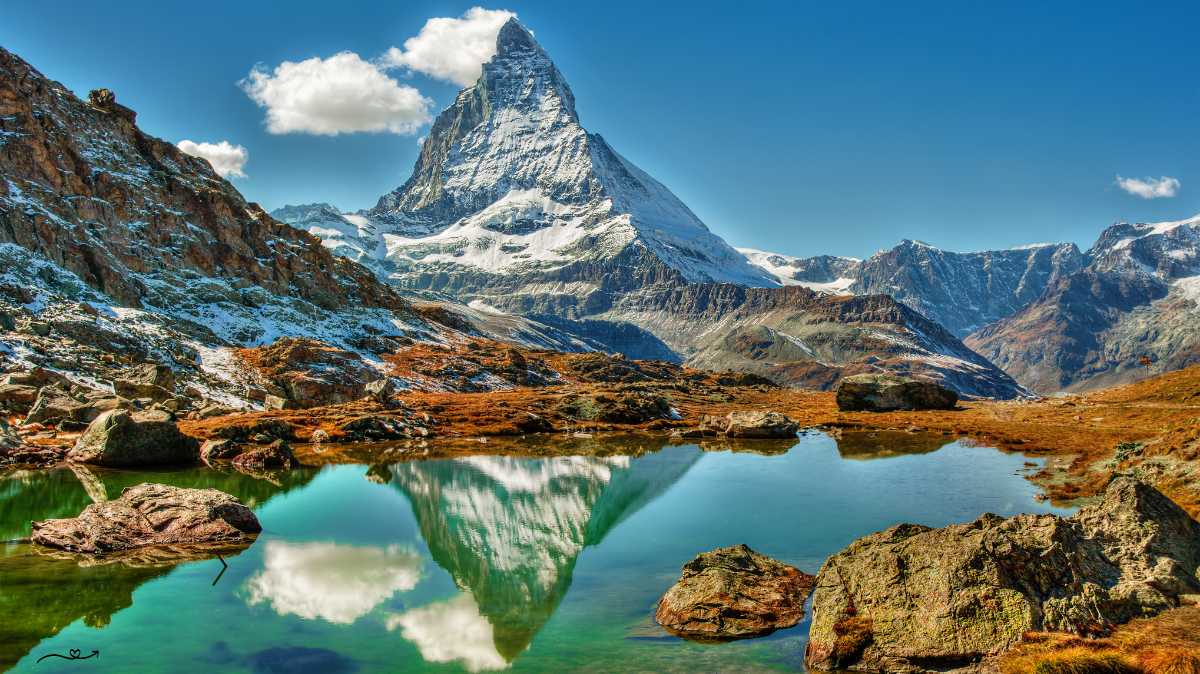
(803, 128)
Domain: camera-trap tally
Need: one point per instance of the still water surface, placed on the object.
(474, 564)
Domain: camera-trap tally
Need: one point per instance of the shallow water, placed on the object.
(475, 564)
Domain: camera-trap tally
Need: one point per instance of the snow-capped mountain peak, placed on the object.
(509, 181)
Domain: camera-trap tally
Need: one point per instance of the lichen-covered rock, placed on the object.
(913, 598)
(885, 393)
(623, 407)
(119, 438)
(733, 593)
(759, 424)
(152, 515)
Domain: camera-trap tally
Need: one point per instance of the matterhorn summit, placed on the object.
(509, 182)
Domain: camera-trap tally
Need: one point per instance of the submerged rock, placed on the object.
(913, 598)
(885, 393)
(733, 593)
(152, 515)
(760, 425)
(119, 438)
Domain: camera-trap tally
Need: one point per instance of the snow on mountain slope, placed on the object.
(824, 273)
(349, 235)
(508, 181)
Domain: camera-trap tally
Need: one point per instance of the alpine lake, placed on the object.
(477, 563)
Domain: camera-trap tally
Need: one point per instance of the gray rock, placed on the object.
(759, 424)
(148, 380)
(733, 593)
(152, 515)
(886, 393)
(911, 598)
(119, 438)
(380, 390)
(17, 398)
(55, 406)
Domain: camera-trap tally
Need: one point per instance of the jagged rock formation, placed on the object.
(1131, 312)
(914, 599)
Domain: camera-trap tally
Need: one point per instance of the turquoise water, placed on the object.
(473, 564)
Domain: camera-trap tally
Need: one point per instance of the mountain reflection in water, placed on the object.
(509, 532)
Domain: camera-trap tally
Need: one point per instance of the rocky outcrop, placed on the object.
(759, 424)
(912, 598)
(275, 455)
(621, 407)
(307, 373)
(733, 593)
(152, 515)
(121, 438)
(887, 393)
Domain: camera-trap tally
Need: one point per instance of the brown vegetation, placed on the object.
(1166, 644)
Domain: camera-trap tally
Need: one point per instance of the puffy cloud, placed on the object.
(451, 631)
(1150, 188)
(338, 583)
(340, 94)
(226, 159)
(452, 49)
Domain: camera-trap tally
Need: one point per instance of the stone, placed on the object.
(274, 402)
(380, 390)
(913, 598)
(17, 398)
(758, 424)
(219, 449)
(54, 405)
(886, 393)
(121, 438)
(625, 407)
(213, 410)
(148, 380)
(528, 422)
(244, 430)
(375, 427)
(152, 515)
(733, 593)
(37, 377)
(275, 455)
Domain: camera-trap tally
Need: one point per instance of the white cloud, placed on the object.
(340, 94)
(1150, 188)
(451, 631)
(337, 583)
(226, 159)
(451, 49)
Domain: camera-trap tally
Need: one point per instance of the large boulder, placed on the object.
(121, 438)
(271, 456)
(760, 425)
(733, 593)
(152, 515)
(913, 598)
(886, 393)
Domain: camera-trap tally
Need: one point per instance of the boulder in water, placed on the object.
(733, 593)
(152, 515)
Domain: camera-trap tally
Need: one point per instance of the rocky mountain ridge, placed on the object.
(1131, 311)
